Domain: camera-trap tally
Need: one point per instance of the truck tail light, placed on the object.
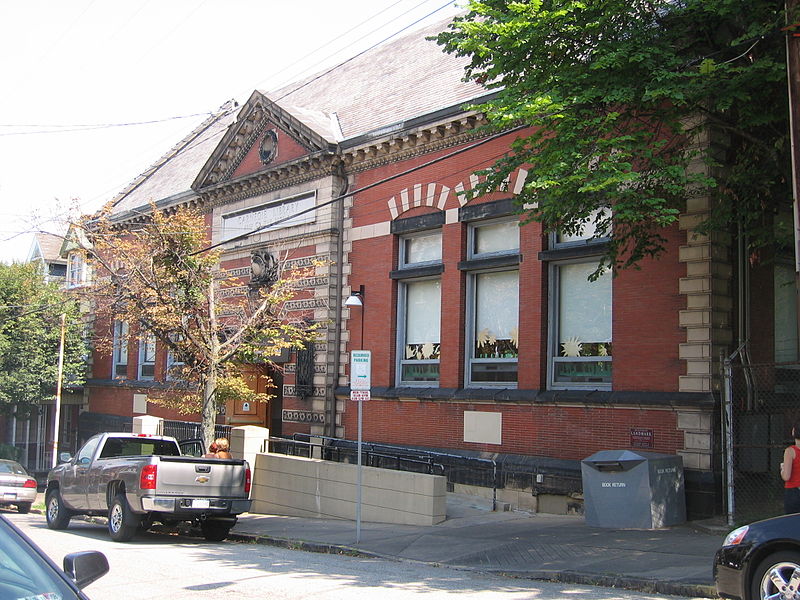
(30, 483)
(247, 480)
(147, 479)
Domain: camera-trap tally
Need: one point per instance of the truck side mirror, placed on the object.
(64, 457)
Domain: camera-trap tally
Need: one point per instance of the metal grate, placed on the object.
(305, 371)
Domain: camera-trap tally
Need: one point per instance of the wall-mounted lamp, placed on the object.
(356, 298)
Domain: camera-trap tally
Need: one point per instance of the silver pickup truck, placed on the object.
(138, 479)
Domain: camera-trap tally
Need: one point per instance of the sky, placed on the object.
(92, 92)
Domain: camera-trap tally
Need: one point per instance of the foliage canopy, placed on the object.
(157, 277)
(30, 335)
(623, 97)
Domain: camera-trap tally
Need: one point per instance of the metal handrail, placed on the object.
(490, 463)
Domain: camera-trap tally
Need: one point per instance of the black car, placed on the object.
(760, 561)
(27, 572)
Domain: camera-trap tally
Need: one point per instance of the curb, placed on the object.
(292, 544)
(649, 586)
(635, 584)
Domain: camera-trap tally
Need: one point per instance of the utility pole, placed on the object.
(793, 78)
(792, 31)
(57, 424)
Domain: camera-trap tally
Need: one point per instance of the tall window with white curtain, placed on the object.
(582, 340)
(421, 305)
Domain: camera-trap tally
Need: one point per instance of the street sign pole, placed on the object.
(360, 384)
(358, 476)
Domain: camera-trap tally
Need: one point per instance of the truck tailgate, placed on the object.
(210, 478)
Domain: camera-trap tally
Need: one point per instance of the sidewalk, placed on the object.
(676, 560)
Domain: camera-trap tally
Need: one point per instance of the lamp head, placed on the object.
(356, 298)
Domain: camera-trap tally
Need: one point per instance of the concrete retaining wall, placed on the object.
(307, 487)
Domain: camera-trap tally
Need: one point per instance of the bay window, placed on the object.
(77, 273)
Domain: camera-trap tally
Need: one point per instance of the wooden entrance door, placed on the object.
(262, 380)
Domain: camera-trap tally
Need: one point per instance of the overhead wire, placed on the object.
(378, 202)
(319, 76)
(197, 142)
(91, 126)
(71, 128)
(329, 42)
(364, 188)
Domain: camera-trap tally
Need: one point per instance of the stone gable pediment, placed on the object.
(267, 136)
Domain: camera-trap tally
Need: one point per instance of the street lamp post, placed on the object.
(360, 383)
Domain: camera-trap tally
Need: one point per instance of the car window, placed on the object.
(85, 453)
(14, 468)
(138, 447)
(192, 448)
(24, 573)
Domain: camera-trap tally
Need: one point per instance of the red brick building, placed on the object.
(487, 338)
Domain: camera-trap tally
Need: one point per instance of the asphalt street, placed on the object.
(160, 565)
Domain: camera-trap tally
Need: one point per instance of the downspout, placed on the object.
(743, 312)
(330, 418)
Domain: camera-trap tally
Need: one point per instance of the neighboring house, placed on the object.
(487, 338)
(46, 251)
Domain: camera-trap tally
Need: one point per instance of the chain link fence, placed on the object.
(760, 404)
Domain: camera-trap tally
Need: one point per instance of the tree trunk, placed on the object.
(209, 413)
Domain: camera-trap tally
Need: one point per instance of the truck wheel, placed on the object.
(57, 514)
(122, 523)
(215, 531)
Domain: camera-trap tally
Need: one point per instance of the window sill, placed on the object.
(534, 396)
(577, 251)
(510, 260)
(413, 272)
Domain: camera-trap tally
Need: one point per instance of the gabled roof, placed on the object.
(393, 83)
(47, 247)
(310, 129)
(397, 81)
(75, 239)
(171, 176)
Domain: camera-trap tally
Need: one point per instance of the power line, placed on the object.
(376, 200)
(320, 75)
(328, 43)
(91, 127)
(356, 41)
(365, 211)
(363, 188)
(100, 126)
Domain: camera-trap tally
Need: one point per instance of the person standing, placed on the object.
(790, 473)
